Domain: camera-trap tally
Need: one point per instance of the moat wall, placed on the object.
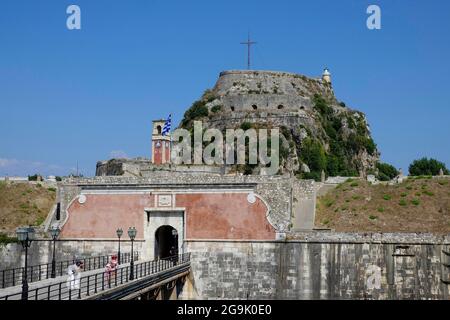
(320, 269)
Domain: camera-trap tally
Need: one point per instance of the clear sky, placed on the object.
(69, 96)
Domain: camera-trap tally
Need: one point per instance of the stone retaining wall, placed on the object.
(322, 266)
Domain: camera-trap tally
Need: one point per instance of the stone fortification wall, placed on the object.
(323, 266)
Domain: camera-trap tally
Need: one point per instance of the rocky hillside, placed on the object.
(318, 132)
(418, 205)
(23, 203)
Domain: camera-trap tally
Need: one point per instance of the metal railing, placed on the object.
(13, 277)
(84, 287)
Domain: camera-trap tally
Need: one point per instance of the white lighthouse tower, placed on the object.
(326, 76)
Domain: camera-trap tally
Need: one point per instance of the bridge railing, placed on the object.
(73, 289)
(13, 277)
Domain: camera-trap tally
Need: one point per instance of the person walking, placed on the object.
(173, 255)
(111, 269)
(74, 272)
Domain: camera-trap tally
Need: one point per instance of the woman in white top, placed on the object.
(74, 272)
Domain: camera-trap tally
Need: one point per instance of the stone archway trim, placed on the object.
(149, 230)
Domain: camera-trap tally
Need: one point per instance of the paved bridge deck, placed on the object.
(13, 277)
(94, 284)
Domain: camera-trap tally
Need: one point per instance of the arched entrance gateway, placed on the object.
(166, 242)
(163, 229)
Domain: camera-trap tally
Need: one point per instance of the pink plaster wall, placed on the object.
(208, 216)
(225, 216)
(101, 215)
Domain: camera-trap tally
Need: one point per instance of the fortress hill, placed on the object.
(305, 109)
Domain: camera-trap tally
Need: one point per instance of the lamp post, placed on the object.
(54, 231)
(119, 233)
(132, 234)
(25, 235)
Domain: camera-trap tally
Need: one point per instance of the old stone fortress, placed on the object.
(251, 236)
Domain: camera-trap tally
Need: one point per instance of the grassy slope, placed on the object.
(417, 205)
(24, 204)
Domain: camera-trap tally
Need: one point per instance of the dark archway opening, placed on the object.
(166, 242)
(158, 129)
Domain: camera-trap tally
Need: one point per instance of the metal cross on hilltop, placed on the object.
(248, 43)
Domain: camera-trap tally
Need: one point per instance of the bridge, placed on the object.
(13, 277)
(146, 280)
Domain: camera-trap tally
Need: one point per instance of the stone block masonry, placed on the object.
(322, 266)
(268, 90)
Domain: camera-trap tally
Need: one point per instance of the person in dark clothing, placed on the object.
(173, 255)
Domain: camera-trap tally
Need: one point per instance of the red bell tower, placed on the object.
(160, 143)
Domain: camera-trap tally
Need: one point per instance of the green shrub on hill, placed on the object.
(216, 108)
(209, 96)
(321, 105)
(311, 175)
(34, 177)
(198, 109)
(312, 153)
(338, 160)
(4, 239)
(427, 166)
(246, 125)
(386, 171)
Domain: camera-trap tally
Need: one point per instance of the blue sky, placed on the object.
(86, 95)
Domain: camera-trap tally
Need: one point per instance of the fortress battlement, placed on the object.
(256, 90)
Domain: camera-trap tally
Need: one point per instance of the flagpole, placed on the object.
(170, 141)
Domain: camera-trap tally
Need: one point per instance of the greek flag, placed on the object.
(167, 124)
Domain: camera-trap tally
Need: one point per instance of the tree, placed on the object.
(313, 154)
(386, 171)
(35, 177)
(196, 111)
(246, 125)
(321, 105)
(427, 166)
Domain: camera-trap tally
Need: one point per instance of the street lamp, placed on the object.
(54, 231)
(25, 235)
(119, 233)
(132, 234)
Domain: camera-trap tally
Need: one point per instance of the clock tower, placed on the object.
(160, 144)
